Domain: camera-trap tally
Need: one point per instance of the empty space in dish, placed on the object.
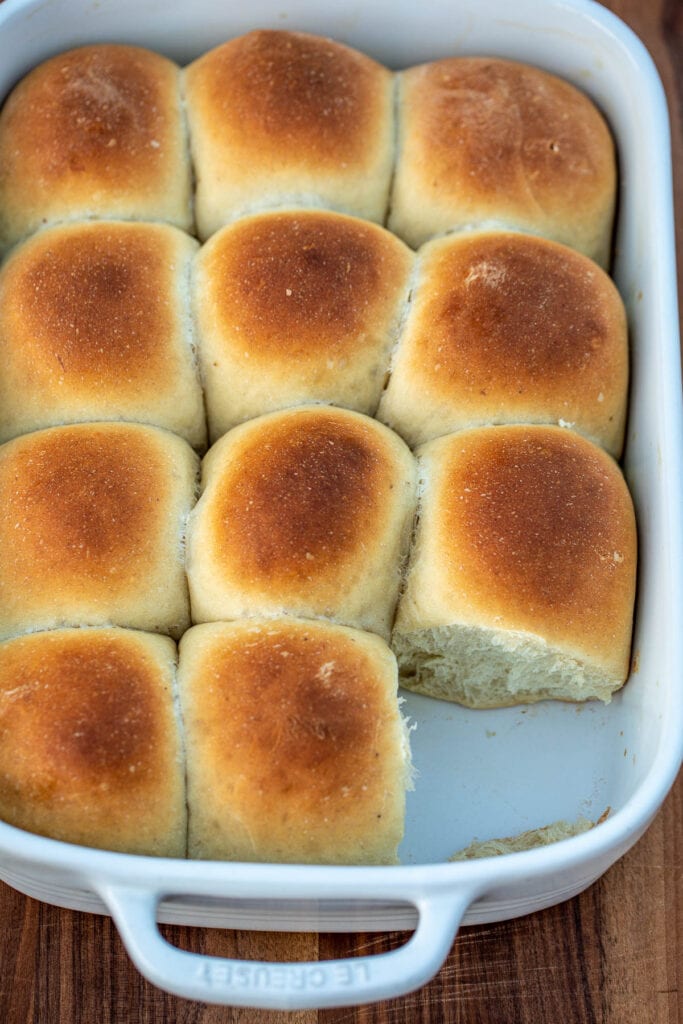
(492, 774)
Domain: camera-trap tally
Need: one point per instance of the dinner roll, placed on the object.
(483, 139)
(288, 119)
(89, 743)
(522, 576)
(94, 132)
(304, 512)
(92, 528)
(95, 325)
(509, 328)
(296, 751)
(296, 307)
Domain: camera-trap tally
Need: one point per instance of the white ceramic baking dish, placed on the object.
(481, 774)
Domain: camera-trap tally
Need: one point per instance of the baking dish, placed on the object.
(481, 774)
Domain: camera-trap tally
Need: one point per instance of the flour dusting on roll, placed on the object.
(505, 327)
(486, 140)
(94, 132)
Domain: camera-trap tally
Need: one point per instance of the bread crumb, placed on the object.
(544, 836)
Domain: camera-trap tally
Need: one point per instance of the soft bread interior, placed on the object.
(483, 668)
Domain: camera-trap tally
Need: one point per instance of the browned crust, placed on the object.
(274, 92)
(98, 114)
(288, 711)
(538, 525)
(90, 306)
(506, 312)
(83, 507)
(295, 749)
(298, 497)
(487, 129)
(300, 285)
(505, 324)
(86, 737)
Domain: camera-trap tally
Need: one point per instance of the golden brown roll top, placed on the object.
(89, 743)
(288, 119)
(94, 132)
(483, 139)
(92, 528)
(293, 743)
(522, 577)
(304, 512)
(506, 327)
(295, 746)
(294, 307)
(95, 325)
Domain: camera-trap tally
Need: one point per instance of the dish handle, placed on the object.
(285, 986)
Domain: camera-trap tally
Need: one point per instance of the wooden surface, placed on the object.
(613, 955)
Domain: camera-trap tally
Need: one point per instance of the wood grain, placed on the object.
(613, 955)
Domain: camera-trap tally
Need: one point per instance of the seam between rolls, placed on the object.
(187, 150)
(395, 141)
(404, 566)
(186, 527)
(182, 745)
(399, 324)
(194, 335)
(420, 488)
